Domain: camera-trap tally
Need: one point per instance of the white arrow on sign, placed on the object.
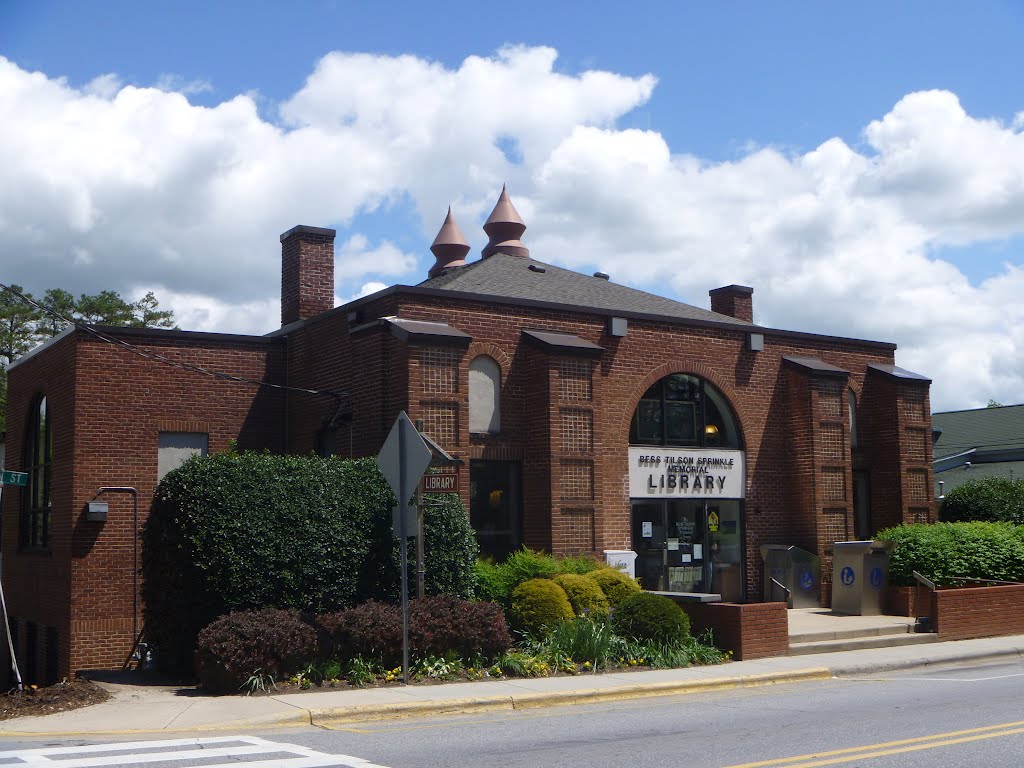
(403, 460)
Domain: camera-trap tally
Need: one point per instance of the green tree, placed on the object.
(105, 308)
(993, 404)
(149, 315)
(991, 499)
(62, 304)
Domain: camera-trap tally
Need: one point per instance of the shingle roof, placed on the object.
(518, 277)
(988, 429)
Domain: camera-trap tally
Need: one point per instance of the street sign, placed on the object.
(13, 478)
(403, 460)
(440, 482)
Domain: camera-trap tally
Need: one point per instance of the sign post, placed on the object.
(403, 459)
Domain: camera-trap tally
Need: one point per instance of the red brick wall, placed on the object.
(778, 509)
(960, 614)
(750, 630)
(37, 584)
(307, 273)
(108, 407)
(906, 601)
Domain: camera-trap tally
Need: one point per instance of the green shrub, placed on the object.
(581, 640)
(538, 605)
(650, 618)
(525, 564)
(585, 596)
(489, 585)
(236, 531)
(615, 584)
(251, 646)
(989, 499)
(944, 550)
(579, 564)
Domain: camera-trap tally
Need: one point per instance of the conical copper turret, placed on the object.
(449, 247)
(504, 227)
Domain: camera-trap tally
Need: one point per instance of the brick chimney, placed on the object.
(307, 272)
(733, 300)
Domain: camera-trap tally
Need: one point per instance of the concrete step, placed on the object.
(850, 634)
(860, 643)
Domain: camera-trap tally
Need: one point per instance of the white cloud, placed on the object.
(355, 259)
(114, 186)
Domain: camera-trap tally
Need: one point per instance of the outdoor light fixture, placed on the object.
(96, 511)
(617, 326)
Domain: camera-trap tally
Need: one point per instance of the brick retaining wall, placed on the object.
(961, 614)
(749, 630)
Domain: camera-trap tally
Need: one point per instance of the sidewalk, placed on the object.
(169, 709)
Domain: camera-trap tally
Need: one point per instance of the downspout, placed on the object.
(135, 551)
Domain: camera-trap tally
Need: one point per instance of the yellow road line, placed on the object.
(849, 754)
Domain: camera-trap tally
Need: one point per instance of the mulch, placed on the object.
(68, 694)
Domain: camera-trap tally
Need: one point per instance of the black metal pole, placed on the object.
(403, 533)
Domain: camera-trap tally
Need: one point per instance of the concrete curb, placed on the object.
(903, 664)
(298, 720)
(341, 715)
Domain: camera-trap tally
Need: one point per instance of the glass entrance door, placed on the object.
(689, 546)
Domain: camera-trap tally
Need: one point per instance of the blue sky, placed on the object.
(860, 164)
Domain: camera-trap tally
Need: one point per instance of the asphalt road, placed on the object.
(954, 716)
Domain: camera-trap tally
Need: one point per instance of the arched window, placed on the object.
(851, 406)
(35, 529)
(683, 410)
(484, 395)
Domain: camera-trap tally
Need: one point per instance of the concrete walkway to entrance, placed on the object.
(818, 630)
(821, 621)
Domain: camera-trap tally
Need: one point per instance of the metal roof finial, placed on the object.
(449, 247)
(504, 227)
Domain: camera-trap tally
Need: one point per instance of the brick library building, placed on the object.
(588, 416)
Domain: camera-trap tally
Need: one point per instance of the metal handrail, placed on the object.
(983, 581)
(923, 580)
(784, 588)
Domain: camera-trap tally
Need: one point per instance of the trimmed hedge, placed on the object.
(616, 585)
(651, 618)
(237, 531)
(989, 499)
(943, 550)
(437, 625)
(585, 596)
(245, 644)
(538, 605)
(496, 581)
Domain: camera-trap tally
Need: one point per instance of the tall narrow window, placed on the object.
(484, 395)
(35, 529)
(851, 404)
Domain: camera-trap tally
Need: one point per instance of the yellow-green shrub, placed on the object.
(615, 584)
(585, 596)
(538, 605)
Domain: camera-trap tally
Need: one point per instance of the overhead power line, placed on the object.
(342, 398)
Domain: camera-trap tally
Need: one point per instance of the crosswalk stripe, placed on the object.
(170, 750)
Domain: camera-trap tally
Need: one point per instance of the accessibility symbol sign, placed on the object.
(847, 576)
(806, 581)
(876, 577)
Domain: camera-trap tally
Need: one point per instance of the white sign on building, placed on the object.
(688, 473)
